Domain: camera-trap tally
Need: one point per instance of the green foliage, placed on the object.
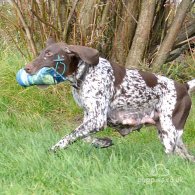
(181, 71)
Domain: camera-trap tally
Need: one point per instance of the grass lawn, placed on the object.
(31, 121)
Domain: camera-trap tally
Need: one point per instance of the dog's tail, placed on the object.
(191, 86)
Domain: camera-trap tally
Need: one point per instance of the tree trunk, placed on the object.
(141, 38)
(86, 18)
(125, 31)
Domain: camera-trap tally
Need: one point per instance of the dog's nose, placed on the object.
(28, 68)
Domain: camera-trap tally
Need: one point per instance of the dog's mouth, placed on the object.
(35, 71)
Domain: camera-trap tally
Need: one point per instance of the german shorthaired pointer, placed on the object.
(125, 99)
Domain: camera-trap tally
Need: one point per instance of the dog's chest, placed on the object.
(98, 86)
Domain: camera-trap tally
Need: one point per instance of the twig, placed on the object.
(69, 19)
(48, 24)
(129, 12)
(27, 30)
(189, 44)
(15, 43)
(11, 22)
(185, 41)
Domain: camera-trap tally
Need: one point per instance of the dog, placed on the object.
(112, 95)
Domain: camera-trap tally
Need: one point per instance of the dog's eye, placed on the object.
(48, 53)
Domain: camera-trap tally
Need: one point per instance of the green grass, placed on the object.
(32, 120)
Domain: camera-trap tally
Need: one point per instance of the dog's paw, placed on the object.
(53, 149)
(126, 131)
(102, 142)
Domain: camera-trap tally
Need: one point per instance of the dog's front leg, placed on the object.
(95, 101)
(90, 126)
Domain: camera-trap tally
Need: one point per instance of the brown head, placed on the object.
(71, 55)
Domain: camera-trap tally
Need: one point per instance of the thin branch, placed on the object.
(129, 12)
(69, 19)
(15, 43)
(10, 21)
(171, 36)
(185, 41)
(27, 30)
(48, 24)
(189, 44)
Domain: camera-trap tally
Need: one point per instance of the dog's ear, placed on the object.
(87, 54)
(50, 41)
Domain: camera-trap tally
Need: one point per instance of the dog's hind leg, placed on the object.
(172, 125)
(181, 149)
(172, 141)
(165, 126)
(180, 115)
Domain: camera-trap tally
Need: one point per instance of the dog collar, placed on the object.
(60, 61)
(59, 77)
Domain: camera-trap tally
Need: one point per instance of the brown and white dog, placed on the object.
(125, 99)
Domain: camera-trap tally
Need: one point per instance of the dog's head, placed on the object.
(69, 55)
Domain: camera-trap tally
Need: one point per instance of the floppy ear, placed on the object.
(50, 41)
(87, 54)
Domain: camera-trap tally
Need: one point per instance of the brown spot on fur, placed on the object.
(182, 107)
(73, 66)
(149, 78)
(119, 73)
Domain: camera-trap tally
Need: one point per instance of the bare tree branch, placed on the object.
(45, 22)
(27, 30)
(15, 43)
(69, 19)
(189, 30)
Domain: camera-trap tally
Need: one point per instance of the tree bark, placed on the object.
(142, 33)
(125, 31)
(171, 36)
(86, 18)
(187, 32)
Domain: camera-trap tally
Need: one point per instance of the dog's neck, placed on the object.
(77, 78)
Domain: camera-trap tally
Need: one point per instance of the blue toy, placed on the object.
(45, 76)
